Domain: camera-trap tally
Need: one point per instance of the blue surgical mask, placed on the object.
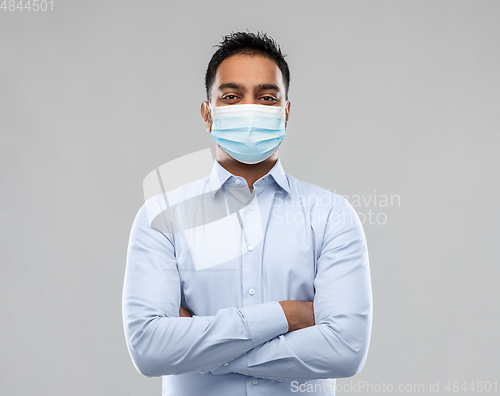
(249, 133)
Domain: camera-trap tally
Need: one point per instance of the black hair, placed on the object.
(249, 44)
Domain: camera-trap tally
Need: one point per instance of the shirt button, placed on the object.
(250, 207)
(238, 181)
(250, 248)
(252, 292)
(254, 382)
(226, 364)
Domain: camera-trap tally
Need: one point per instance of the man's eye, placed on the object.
(230, 97)
(268, 98)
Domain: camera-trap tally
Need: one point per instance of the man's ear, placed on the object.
(205, 113)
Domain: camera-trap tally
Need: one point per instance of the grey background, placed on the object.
(388, 97)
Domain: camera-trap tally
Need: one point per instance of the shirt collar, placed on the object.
(221, 176)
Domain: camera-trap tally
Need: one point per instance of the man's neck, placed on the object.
(251, 173)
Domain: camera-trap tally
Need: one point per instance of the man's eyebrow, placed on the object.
(232, 86)
(261, 87)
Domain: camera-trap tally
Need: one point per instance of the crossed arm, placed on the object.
(299, 315)
(275, 340)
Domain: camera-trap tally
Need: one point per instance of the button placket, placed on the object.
(252, 255)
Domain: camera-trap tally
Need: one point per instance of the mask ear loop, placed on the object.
(211, 113)
(284, 112)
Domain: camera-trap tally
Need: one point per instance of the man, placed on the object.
(249, 281)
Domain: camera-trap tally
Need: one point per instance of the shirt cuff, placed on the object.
(265, 321)
(238, 366)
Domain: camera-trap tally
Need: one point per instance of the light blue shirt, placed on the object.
(229, 257)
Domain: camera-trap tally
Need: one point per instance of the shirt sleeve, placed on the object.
(337, 345)
(162, 343)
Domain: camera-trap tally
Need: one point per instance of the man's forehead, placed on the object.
(245, 87)
(248, 71)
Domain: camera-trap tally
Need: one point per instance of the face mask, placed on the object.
(249, 133)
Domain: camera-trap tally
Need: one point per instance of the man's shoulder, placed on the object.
(316, 194)
(325, 207)
(166, 202)
(183, 192)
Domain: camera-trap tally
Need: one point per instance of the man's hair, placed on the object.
(248, 44)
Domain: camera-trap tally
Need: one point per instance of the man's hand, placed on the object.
(184, 313)
(299, 314)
